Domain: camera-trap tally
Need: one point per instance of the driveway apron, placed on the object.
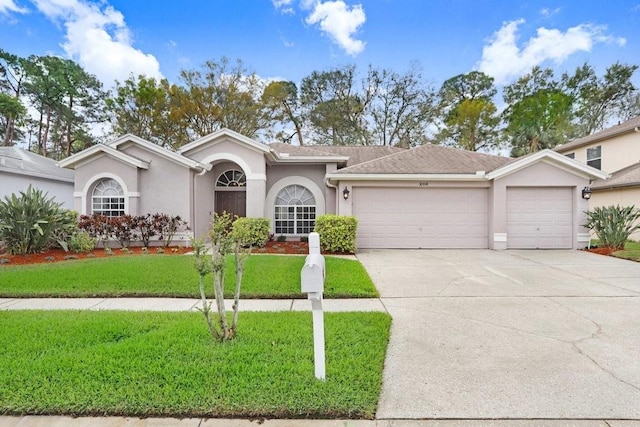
(512, 334)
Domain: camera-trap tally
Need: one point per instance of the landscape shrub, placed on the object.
(253, 232)
(613, 224)
(82, 242)
(126, 229)
(337, 233)
(28, 221)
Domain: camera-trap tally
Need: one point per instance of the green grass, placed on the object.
(265, 276)
(631, 251)
(165, 364)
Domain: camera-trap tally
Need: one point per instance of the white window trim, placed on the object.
(230, 188)
(595, 158)
(270, 200)
(87, 191)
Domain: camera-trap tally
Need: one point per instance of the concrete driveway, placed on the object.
(509, 334)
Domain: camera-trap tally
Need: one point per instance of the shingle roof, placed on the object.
(621, 128)
(18, 161)
(429, 159)
(626, 177)
(296, 150)
(360, 154)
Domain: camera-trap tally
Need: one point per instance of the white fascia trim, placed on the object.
(405, 177)
(309, 159)
(550, 155)
(101, 148)
(155, 148)
(222, 133)
(36, 174)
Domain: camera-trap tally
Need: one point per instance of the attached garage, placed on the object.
(421, 217)
(540, 217)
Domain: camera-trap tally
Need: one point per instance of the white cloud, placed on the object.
(503, 59)
(547, 13)
(7, 6)
(98, 38)
(340, 23)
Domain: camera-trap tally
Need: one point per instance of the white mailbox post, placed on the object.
(312, 282)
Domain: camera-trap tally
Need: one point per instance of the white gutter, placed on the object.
(479, 177)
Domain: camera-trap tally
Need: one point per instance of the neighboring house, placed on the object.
(426, 197)
(615, 150)
(19, 168)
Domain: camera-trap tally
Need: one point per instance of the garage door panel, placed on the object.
(540, 218)
(421, 218)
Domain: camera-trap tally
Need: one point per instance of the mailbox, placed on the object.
(312, 275)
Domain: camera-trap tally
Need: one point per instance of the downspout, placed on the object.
(337, 201)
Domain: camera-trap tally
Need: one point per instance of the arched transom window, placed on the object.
(295, 210)
(108, 198)
(232, 178)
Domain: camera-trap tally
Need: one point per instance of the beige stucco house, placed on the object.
(615, 150)
(426, 197)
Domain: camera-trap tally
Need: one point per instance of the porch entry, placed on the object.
(231, 193)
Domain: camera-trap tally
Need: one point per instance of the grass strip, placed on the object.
(631, 251)
(265, 276)
(165, 364)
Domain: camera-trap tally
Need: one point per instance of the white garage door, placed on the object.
(540, 218)
(421, 217)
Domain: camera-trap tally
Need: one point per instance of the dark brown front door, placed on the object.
(233, 202)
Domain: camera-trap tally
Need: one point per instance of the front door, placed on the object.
(233, 202)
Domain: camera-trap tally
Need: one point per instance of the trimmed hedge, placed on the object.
(337, 233)
(252, 232)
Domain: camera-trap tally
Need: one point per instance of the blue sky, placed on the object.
(288, 39)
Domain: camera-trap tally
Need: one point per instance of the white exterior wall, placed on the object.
(617, 152)
(538, 175)
(621, 196)
(14, 183)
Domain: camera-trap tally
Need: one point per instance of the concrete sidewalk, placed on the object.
(184, 304)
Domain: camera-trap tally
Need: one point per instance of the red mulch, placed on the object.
(55, 255)
(601, 251)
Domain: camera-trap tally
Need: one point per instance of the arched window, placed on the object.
(295, 210)
(232, 178)
(108, 198)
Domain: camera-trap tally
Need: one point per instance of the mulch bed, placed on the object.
(601, 251)
(57, 255)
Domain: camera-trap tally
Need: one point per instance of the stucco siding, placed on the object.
(539, 175)
(250, 160)
(62, 191)
(617, 152)
(314, 173)
(87, 174)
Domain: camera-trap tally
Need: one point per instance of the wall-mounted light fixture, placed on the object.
(586, 193)
(345, 193)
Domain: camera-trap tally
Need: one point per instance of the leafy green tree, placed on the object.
(598, 100)
(281, 97)
(13, 72)
(539, 113)
(145, 107)
(468, 112)
(401, 107)
(335, 109)
(221, 95)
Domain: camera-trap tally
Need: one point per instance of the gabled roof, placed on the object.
(72, 161)
(548, 156)
(22, 162)
(155, 148)
(220, 134)
(359, 154)
(629, 126)
(428, 159)
(287, 153)
(625, 177)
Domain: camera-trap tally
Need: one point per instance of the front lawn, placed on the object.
(165, 364)
(265, 276)
(631, 251)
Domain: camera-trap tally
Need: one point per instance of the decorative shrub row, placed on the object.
(126, 229)
(337, 233)
(253, 232)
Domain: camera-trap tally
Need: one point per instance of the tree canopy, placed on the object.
(52, 106)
